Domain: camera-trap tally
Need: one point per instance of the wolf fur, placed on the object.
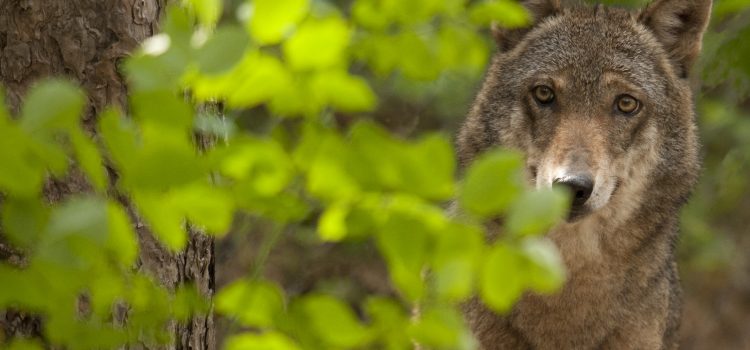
(622, 290)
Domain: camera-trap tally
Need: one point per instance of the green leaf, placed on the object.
(52, 105)
(207, 11)
(439, 327)
(344, 92)
(257, 78)
(508, 13)
(89, 159)
(119, 136)
(334, 322)
(164, 107)
(273, 20)
(318, 44)
(224, 49)
(166, 159)
(260, 163)
(332, 224)
(502, 278)
(24, 344)
(80, 216)
(456, 261)
(264, 341)
(165, 219)
(547, 271)
(253, 303)
(122, 239)
(537, 211)
(206, 206)
(24, 220)
(22, 172)
(492, 183)
(390, 322)
(430, 167)
(404, 242)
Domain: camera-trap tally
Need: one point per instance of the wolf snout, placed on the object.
(580, 186)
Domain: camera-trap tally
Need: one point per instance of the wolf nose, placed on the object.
(580, 187)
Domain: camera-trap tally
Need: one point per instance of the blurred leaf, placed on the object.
(509, 14)
(537, 211)
(332, 224)
(439, 328)
(492, 183)
(261, 163)
(222, 51)
(273, 20)
(264, 341)
(344, 92)
(502, 278)
(257, 78)
(317, 44)
(52, 105)
(205, 206)
(119, 137)
(22, 173)
(122, 238)
(404, 242)
(24, 220)
(390, 322)
(456, 261)
(165, 219)
(253, 303)
(24, 344)
(334, 322)
(89, 159)
(547, 273)
(207, 11)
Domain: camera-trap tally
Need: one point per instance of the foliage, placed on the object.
(295, 59)
(306, 65)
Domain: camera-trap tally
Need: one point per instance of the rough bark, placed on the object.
(85, 40)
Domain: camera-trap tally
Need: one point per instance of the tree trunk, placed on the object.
(85, 40)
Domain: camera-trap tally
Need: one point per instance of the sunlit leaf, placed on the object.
(264, 341)
(509, 14)
(207, 11)
(502, 280)
(89, 159)
(537, 211)
(317, 44)
(272, 20)
(334, 322)
(253, 303)
(343, 92)
(332, 224)
(122, 238)
(222, 50)
(439, 328)
(164, 218)
(52, 105)
(456, 261)
(547, 272)
(24, 220)
(492, 183)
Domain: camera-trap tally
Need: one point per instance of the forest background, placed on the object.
(273, 174)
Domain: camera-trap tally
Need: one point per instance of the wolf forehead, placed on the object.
(582, 44)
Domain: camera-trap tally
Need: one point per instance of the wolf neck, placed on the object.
(618, 233)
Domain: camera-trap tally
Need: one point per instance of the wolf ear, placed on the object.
(679, 27)
(506, 39)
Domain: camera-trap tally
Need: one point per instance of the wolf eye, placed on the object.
(627, 104)
(543, 94)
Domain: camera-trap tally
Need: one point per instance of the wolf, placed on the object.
(597, 99)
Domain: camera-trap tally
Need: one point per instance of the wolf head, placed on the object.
(597, 99)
